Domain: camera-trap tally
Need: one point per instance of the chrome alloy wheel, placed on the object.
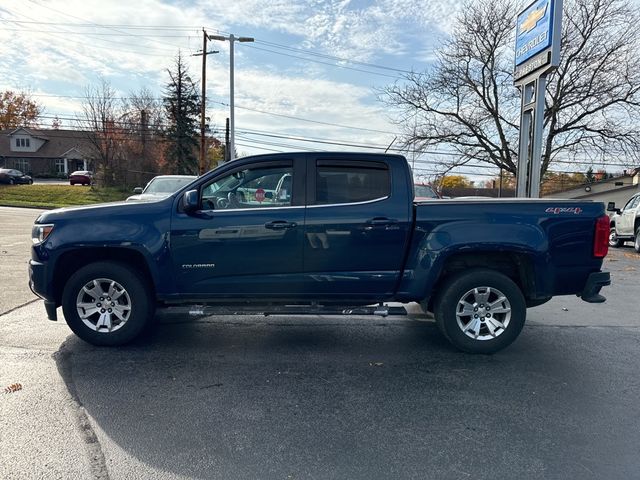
(483, 313)
(103, 305)
(613, 238)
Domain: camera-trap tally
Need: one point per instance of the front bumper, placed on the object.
(39, 284)
(591, 291)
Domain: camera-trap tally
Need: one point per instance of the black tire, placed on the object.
(461, 287)
(636, 240)
(11, 181)
(137, 298)
(614, 241)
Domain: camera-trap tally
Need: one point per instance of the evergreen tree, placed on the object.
(182, 104)
(590, 176)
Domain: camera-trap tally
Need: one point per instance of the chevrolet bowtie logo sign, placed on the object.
(532, 20)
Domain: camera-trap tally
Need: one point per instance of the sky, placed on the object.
(314, 71)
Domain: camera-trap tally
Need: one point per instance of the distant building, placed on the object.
(454, 192)
(45, 152)
(617, 189)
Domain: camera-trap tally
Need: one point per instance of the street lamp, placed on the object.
(231, 39)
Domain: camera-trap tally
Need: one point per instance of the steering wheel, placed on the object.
(222, 203)
(233, 200)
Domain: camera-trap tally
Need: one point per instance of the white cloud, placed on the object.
(340, 27)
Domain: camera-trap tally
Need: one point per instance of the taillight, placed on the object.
(601, 237)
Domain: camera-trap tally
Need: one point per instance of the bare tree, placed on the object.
(467, 101)
(102, 122)
(145, 124)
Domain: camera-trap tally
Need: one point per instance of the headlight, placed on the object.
(40, 232)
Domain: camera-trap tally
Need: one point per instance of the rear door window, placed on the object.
(338, 183)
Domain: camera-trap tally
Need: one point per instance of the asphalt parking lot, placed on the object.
(319, 397)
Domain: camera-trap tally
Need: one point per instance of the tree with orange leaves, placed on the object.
(18, 110)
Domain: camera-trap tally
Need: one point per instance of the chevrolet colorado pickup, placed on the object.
(339, 231)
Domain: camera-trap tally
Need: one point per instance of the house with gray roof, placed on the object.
(45, 152)
(617, 189)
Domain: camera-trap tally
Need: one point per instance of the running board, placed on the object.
(208, 310)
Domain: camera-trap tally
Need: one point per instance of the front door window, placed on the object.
(255, 187)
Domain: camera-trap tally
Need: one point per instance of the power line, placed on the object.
(85, 20)
(324, 142)
(93, 34)
(324, 63)
(332, 57)
(259, 148)
(305, 119)
(105, 25)
(120, 26)
(209, 102)
(60, 34)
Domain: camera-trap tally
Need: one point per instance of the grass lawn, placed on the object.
(54, 196)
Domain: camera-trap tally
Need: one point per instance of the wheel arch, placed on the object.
(72, 260)
(518, 266)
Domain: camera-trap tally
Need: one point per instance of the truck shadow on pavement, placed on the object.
(357, 398)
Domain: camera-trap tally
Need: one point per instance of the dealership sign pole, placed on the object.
(538, 34)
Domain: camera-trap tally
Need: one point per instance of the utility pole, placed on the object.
(231, 39)
(227, 157)
(202, 168)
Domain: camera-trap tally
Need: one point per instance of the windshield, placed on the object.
(167, 185)
(425, 191)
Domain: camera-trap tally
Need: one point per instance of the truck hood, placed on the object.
(104, 210)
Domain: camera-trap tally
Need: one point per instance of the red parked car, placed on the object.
(83, 177)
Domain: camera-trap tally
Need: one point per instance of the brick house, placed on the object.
(45, 153)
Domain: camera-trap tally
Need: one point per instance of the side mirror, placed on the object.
(611, 207)
(137, 190)
(190, 201)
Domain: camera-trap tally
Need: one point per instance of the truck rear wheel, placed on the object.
(480, 311)
(107, 303)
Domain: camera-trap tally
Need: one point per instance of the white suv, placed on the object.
(625, 224)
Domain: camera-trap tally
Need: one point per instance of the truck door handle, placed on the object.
(378, 222)
(280, 225)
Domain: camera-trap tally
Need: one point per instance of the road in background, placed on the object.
(15, 245)
(323, 397)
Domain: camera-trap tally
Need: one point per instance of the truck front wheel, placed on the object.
(107, 303)
(614, 241)
(480, 311)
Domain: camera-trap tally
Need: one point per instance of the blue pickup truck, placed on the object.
(340, 231)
